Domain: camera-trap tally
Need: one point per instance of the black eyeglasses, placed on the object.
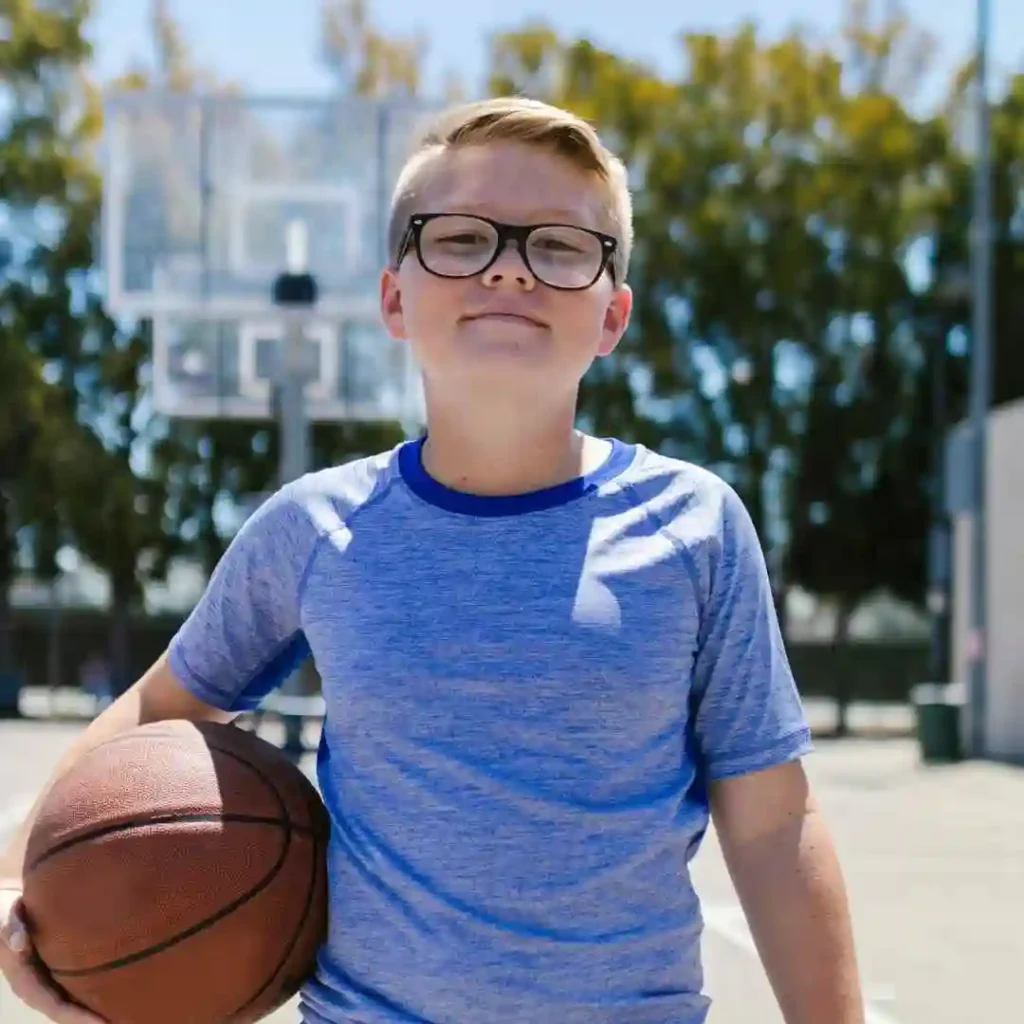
(453, 245)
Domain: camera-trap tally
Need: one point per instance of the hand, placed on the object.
(20, 966)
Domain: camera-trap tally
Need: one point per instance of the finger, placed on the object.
(13, 932)
(28, 979)
(33, 988)
(73, 1014)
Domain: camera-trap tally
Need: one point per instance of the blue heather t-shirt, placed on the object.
(526, 698)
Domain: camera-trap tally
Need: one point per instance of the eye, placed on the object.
(558, 244)
(462, 238)
(564, 240)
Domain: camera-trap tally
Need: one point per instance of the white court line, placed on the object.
(729, 922)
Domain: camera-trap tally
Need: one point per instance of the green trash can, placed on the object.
(937, 710)
(10, 694)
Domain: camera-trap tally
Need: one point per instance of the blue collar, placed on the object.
(421, 483)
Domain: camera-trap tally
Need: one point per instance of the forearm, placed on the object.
(792, 891)
(121, 716)
(157, 696)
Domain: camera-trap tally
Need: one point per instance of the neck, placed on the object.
(483, 455)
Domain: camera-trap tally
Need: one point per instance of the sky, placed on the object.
(270, 46)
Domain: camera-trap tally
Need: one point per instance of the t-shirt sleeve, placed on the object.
(244, 637)
(748, 715)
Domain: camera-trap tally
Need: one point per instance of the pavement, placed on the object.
(933, 856)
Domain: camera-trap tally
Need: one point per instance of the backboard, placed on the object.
(200, 194)
(207, 367)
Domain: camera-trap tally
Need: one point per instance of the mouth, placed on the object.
(506, 317)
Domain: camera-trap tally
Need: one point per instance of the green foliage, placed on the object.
(80, 385)
(47, 125)
(363, 60)
(780, 188)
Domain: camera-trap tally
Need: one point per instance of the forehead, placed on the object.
(514, 182)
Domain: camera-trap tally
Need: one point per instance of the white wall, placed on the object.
(1005, 713)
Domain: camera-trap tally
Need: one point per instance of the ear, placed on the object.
(616, 319)
(391, 304)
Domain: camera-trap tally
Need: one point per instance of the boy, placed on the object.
(546, 656)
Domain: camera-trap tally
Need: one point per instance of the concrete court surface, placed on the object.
(934, 858)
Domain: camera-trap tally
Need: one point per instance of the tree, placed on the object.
(868, 409)
(23, 403)
(94, 368)
(777, 188)
(813, 180)
(99, 371)
(879, 509)
(363, 60)
(732, 283)
(48, 122)
(126, 530)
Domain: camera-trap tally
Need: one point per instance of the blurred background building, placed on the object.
(1004, 715)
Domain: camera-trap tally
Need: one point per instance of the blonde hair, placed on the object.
(517, 119)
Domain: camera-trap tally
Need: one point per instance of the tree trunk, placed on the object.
(211, 547)
(7, 572)
(6, 631)
(120, 651)
(840, 638)
(55, 630)
(756, 504)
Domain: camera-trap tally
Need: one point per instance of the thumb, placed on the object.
(12, 922)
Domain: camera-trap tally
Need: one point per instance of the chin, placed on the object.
(505, 336)
(498, 375)
(507, 352)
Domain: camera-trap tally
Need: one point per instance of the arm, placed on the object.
(751, 732)
(157, 696)
(785, 870)
(241, 640)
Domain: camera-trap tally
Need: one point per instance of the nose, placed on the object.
(509, 268)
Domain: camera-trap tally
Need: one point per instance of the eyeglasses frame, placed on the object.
(517, 233)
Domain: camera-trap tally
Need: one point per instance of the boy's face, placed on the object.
(503, 328)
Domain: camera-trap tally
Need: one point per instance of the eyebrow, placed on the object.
(547, 213)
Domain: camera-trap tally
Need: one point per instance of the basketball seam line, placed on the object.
(294, 940)
(97, 833)
(166, 819)
(200, 926)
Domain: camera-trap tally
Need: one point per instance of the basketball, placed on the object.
(177, 875)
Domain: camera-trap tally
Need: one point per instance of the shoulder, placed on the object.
(692, 502)
(320, 503)
(700, 513)
(330, 497)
